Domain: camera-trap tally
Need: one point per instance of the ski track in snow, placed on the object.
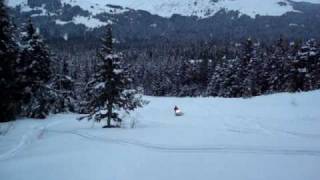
(247, 127)
(256, 127)
(28, 138)
(197, 149)
(293, 133)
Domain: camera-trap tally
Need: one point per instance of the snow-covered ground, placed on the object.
(270, 137)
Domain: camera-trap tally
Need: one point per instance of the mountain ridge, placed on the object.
(167, 8)
(78, 18)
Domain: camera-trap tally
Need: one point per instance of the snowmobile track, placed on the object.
(264, 150)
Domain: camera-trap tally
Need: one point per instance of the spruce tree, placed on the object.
(251, 66)
(8, 76)
(35, 72)
(178, 77)
(109, 89)
(276, 66)
(217, 80)
(313, 75)
(204, 69)
(305, 67)
(233, 77)
(63, 85)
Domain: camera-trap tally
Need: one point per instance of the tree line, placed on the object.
(100, 78)
(246, 69)
(214, 68)
(34, 82)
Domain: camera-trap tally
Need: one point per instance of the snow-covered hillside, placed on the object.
(166, 8)
(269, 137)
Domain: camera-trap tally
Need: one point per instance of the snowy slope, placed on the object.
(164, 8)
(269, 137)
(200, 8)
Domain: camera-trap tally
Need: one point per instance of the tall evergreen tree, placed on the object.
(109, 89)
(204, 69)
(63, 85)
(313, 73)
(8, 75)
(276, 66)
(305, 67)
(218, 79)
(34, 67)
(251, 68)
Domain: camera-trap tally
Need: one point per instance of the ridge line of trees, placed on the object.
(35, 83)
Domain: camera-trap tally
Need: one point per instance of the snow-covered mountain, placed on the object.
(172, 18)
(166, 8)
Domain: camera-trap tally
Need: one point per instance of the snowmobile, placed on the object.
(177, 111)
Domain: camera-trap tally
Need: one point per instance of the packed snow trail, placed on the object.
(196, 149)
(268, 137)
